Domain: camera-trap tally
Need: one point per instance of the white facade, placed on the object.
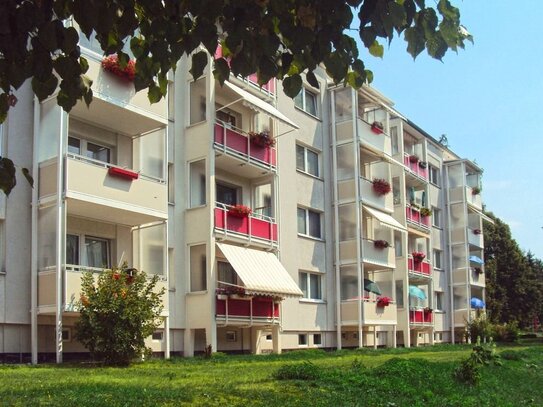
(157, 186)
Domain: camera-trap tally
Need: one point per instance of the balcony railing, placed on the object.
(423, 268)
(375, 255)
(420, 317)
(414, 217)
(253, 226)
(370, 197)
(234, 142)
(415, 168)
(474, 199)
(377, 142)
(246, 309)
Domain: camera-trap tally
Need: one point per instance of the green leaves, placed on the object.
(199, 62)
(7, 175)
(292, 85)
(376, 49)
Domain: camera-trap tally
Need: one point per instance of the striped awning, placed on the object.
(385, 219)
(260, 271)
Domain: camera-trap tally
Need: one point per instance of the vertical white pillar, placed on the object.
(167, 334)
(188, 343)
(276, 339)
(34, 243)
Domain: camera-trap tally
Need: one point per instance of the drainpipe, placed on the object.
(34, 241)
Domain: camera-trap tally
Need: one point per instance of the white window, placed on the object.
(394, 140)
(399, 293)
(96, 251)
(309, 223)
(311, 285)
(438, 259)
(227, 274)
(307, 101)
(436, 217)
(440, 300)
(198, 267)
(434, 175)
(302, 339)
(307, 160)
(197, 105)
(317, 339)
(89, 149)
(197, 174)
(157, 336)
(231, 336)
(66, 335)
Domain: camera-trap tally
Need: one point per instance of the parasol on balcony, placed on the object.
(416, 292)
(371, 287)
(475, 259)
(477, 303)
(411, 192)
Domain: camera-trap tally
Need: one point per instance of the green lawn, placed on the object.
(394, 377)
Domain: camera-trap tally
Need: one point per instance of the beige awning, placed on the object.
(259, 104)
(482, 215)
(384, 219)
(260, 271)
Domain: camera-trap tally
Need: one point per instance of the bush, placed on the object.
(299, 371)
(119, 309)
(479, 327)
(512, 355)
(483, 354)
(468, 372)
(509, 332)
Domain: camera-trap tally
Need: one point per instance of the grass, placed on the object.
(388, 377)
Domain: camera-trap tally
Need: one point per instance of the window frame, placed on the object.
(83, 148)
(83, 260)
(315, 336)
(442, 295)
(305, 168)
(434, 257)
(307, 289)
(437, 180)
(304, 342)
(304, 105)
(306, 223)
(436, 216)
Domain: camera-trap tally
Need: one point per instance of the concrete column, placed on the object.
(167, 335)
(394, 341)
(256, 335)
(276, 339)
(188, 343)
(374, 337)
(432, 336)
(211, 337)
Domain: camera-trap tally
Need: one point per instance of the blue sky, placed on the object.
(487, 99)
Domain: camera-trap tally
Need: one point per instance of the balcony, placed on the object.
(420, 317)
(379, 143)
(475, 238)
(232, 310)
(419, 268)
(234, 143)
(371, 313)
(371, 198)
(415, 168)
(414, 218)
(259, 228)
(377, 258)
(94, 191)
(474, 199)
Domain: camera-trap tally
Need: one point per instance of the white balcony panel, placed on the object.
(379, 143)
(475, 240)
(474, 200)
(378, 257)
(371, 198)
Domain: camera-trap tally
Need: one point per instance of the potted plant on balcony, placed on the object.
(383, 301)
(418, 257)
(240, 211)
(414, 206)
(127, 74)
(381, 186)
(478, 270)
(377, 127)
(425, 211)
(263, 139)
(475, 190)
(423, 164)
(381, 244)
(477, 232)
(413, 158)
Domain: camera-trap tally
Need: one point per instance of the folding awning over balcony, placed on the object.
(260, 271)
(384, 219)
(261, 105)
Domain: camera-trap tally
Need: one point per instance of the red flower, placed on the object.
(263, 139)
(241, 211)
(127, 74)
(381, 186)
(116, 276)
(418, 256)
(384, 301)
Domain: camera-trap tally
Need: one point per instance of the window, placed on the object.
(438, 259)
(317, 339)
(307, 160)
(309, 223)
(307, 101)
(434, 175)
(440, 300)
(227, 274)
(197, 174)
(198, 268)
(394, 140)
(72, 249)
(311, 285)
(269, 337)
(436, 217)
(157, 336)
(302, 339)
(398, 244)
(197, 104)
(171, 184)
(89, 149)
(231, 336)
(227, 194)
(66, 335)
(97, 251)
(399, 293)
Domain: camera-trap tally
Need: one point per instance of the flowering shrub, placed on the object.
(230, 290)
(126, 74)
(475, 190)
(384, 301)
(425, 211)
(413, 158)
(477, 231)
(478, 270)
(418, 256)
(381, 186)
(263, 139)
(118, 310)
(377, 127)
(381, 244)
(241, 211)
(428, 310)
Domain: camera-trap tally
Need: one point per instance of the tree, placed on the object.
(118, 310)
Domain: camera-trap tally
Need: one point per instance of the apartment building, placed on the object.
(352, 228)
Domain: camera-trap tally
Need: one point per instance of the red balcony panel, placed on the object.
(413, 215)
(263, 229)
(265, 154)
(420, 317)
(425, 220)
(263, 307)
(422, 267)
(259, 228)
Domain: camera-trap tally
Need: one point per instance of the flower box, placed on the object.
(413, 158)
(418, 257)
(475, 190)
(123, 173)
(377, 127)
(383, 301)
(127, 74)
(263, 139)
(477, 231)
(381, 244)
(240, 211)
(425, 211)
(381, 186)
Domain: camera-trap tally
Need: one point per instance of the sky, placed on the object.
(487, 99)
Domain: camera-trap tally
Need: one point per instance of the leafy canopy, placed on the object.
(118, 310)
(274, 38)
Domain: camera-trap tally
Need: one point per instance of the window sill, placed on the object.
(309, 175)
(311, 301)
(196, 207)
(197, 293)
(316, 239)
(307, 113)
(438, 269)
